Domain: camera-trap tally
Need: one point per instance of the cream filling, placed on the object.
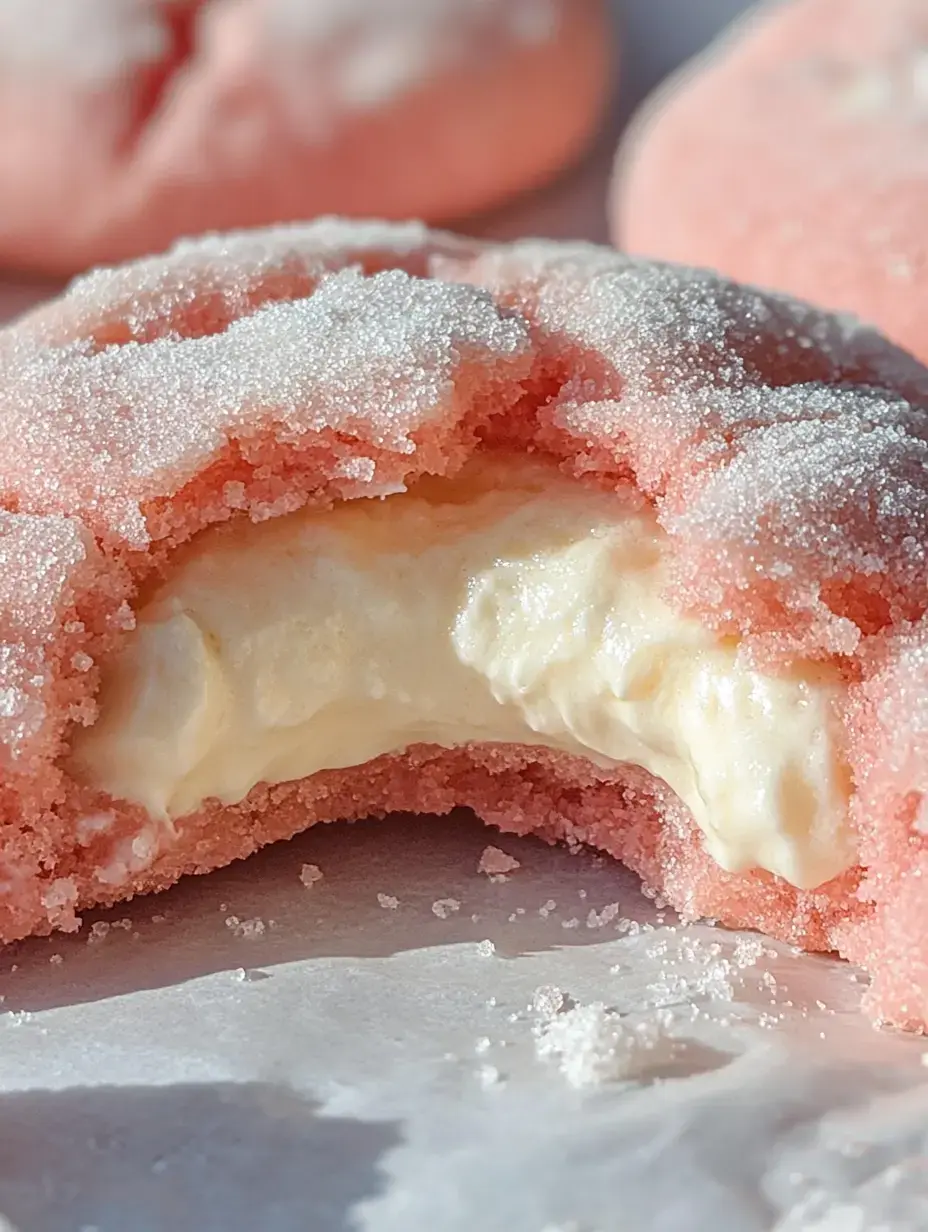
(509, 605)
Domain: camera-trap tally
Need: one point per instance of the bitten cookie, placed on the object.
(332, 520)
(127, 123)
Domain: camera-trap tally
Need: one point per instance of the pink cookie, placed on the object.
(126, 123)
(242, 383)
(794, 156)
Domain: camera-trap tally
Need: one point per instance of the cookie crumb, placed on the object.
(497, 864)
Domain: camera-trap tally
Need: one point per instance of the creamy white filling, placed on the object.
(509, 605)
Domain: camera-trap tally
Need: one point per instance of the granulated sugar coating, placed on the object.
(835, 95)
(125, 123)
(785, 453)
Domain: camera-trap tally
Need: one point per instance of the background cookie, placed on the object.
(125, 123)
(793, 155)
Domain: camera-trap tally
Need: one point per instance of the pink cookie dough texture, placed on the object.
(785, 452)
(795, 155)
(127, 123)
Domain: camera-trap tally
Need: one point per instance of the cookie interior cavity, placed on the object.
(511, 605)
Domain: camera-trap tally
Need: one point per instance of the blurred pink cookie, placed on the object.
(645, 568)
(126, 123)
(794, 155)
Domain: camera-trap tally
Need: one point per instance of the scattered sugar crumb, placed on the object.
(56, 960)
(488, 1076)
(546, 908)
(249, 930)
(443, 907)
(706, 974)
(548, 1000)
(660, 903)
(310, 874)
(389, 902)
(747, 952)
(486, 948)
(606, 916)
(482, 1045)
(496, 864)
(98, 932)
(592, 1045)
(571, 923)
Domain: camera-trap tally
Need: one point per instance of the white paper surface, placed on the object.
(249, 1053)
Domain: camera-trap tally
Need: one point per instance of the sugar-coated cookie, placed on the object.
(331, 520)
(794, 155)
(127, 123)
